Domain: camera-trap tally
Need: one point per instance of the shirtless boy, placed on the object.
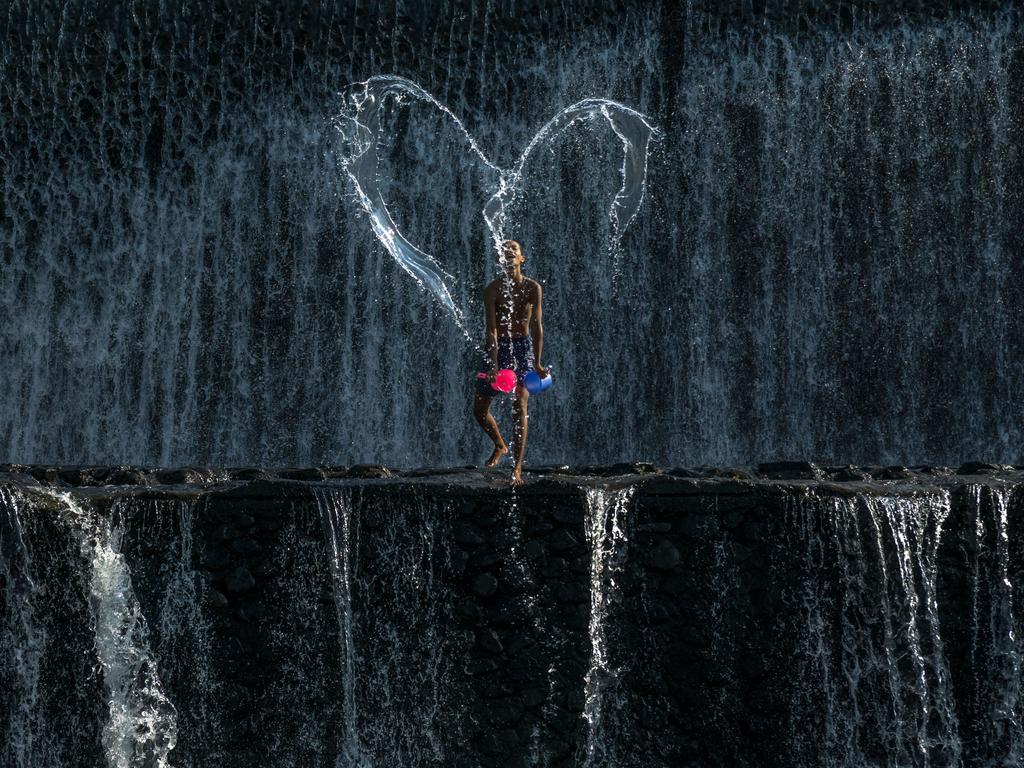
(512, 303)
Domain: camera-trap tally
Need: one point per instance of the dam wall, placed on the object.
(618, 616)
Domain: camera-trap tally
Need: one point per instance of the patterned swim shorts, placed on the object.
(514, 352)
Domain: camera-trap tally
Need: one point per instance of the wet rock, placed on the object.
(664, 556)
(476, 667)
(485, 559)
(674, 585)
(239, 580)
(848, 473)
(572, 593)
(245, 546)
(216, 600)
(251, 473)
(251, 612)
(562, 540)
(457, 560)
(368, 471)
(507, 712)
(180, 476)
(488, 640)
(539, 527)
(753, 531)
(692, 527)
(468, 537)
(533, 697)
(981, 468)
(685, 472)
(790, 470)
(485, 585)
(634, 468)
(224, 533)
(663, 527)
(311, 474)
(217, 559)
(892, 473)
(554, 568)
(502, 613)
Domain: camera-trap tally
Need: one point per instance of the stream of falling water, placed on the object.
(871, 670)
(336, 513)
(141, 728)
(186, 248)
(24, 639)
(186, 644)
(996, 653)
(606, 515)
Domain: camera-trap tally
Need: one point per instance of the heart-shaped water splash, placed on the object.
(360, 127)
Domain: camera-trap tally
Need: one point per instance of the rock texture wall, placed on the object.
(621, 616)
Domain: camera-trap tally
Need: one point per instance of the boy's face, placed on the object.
(510, 255)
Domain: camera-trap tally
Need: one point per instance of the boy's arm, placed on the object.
(492, 327)
(537, 331)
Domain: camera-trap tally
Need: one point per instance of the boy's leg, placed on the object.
(519, 432)
(482, 412)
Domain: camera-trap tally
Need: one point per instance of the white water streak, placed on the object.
(336, 514)
(361, 130)
(884, 681)
(998, 684)
(142, 723)
(606, 537)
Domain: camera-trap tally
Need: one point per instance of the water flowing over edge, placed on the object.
(142, 726)
(606, 536)
(336, 514)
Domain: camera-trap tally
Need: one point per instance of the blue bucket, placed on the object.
(534, 383)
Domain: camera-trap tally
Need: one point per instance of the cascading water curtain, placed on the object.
(873, 684)
(829, 219)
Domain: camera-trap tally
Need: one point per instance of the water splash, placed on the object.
(606, 537)
(141, 728)
(360, 125)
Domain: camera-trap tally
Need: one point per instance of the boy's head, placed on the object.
(511, 254)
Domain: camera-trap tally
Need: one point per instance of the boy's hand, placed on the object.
(542, 371)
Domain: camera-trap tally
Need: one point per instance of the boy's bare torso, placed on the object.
(513, 304)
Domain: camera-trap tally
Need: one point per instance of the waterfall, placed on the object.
(399, 702)
(996, 651)
(873, 678)
(336, 512)
(23, 641)
(179, 244)
(186, 642)
(674, 621)
(606, 522)
(141, 727)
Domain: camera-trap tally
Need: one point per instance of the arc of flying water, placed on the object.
(360, 128)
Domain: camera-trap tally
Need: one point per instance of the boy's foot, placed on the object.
(499, 451)
(517, 476)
